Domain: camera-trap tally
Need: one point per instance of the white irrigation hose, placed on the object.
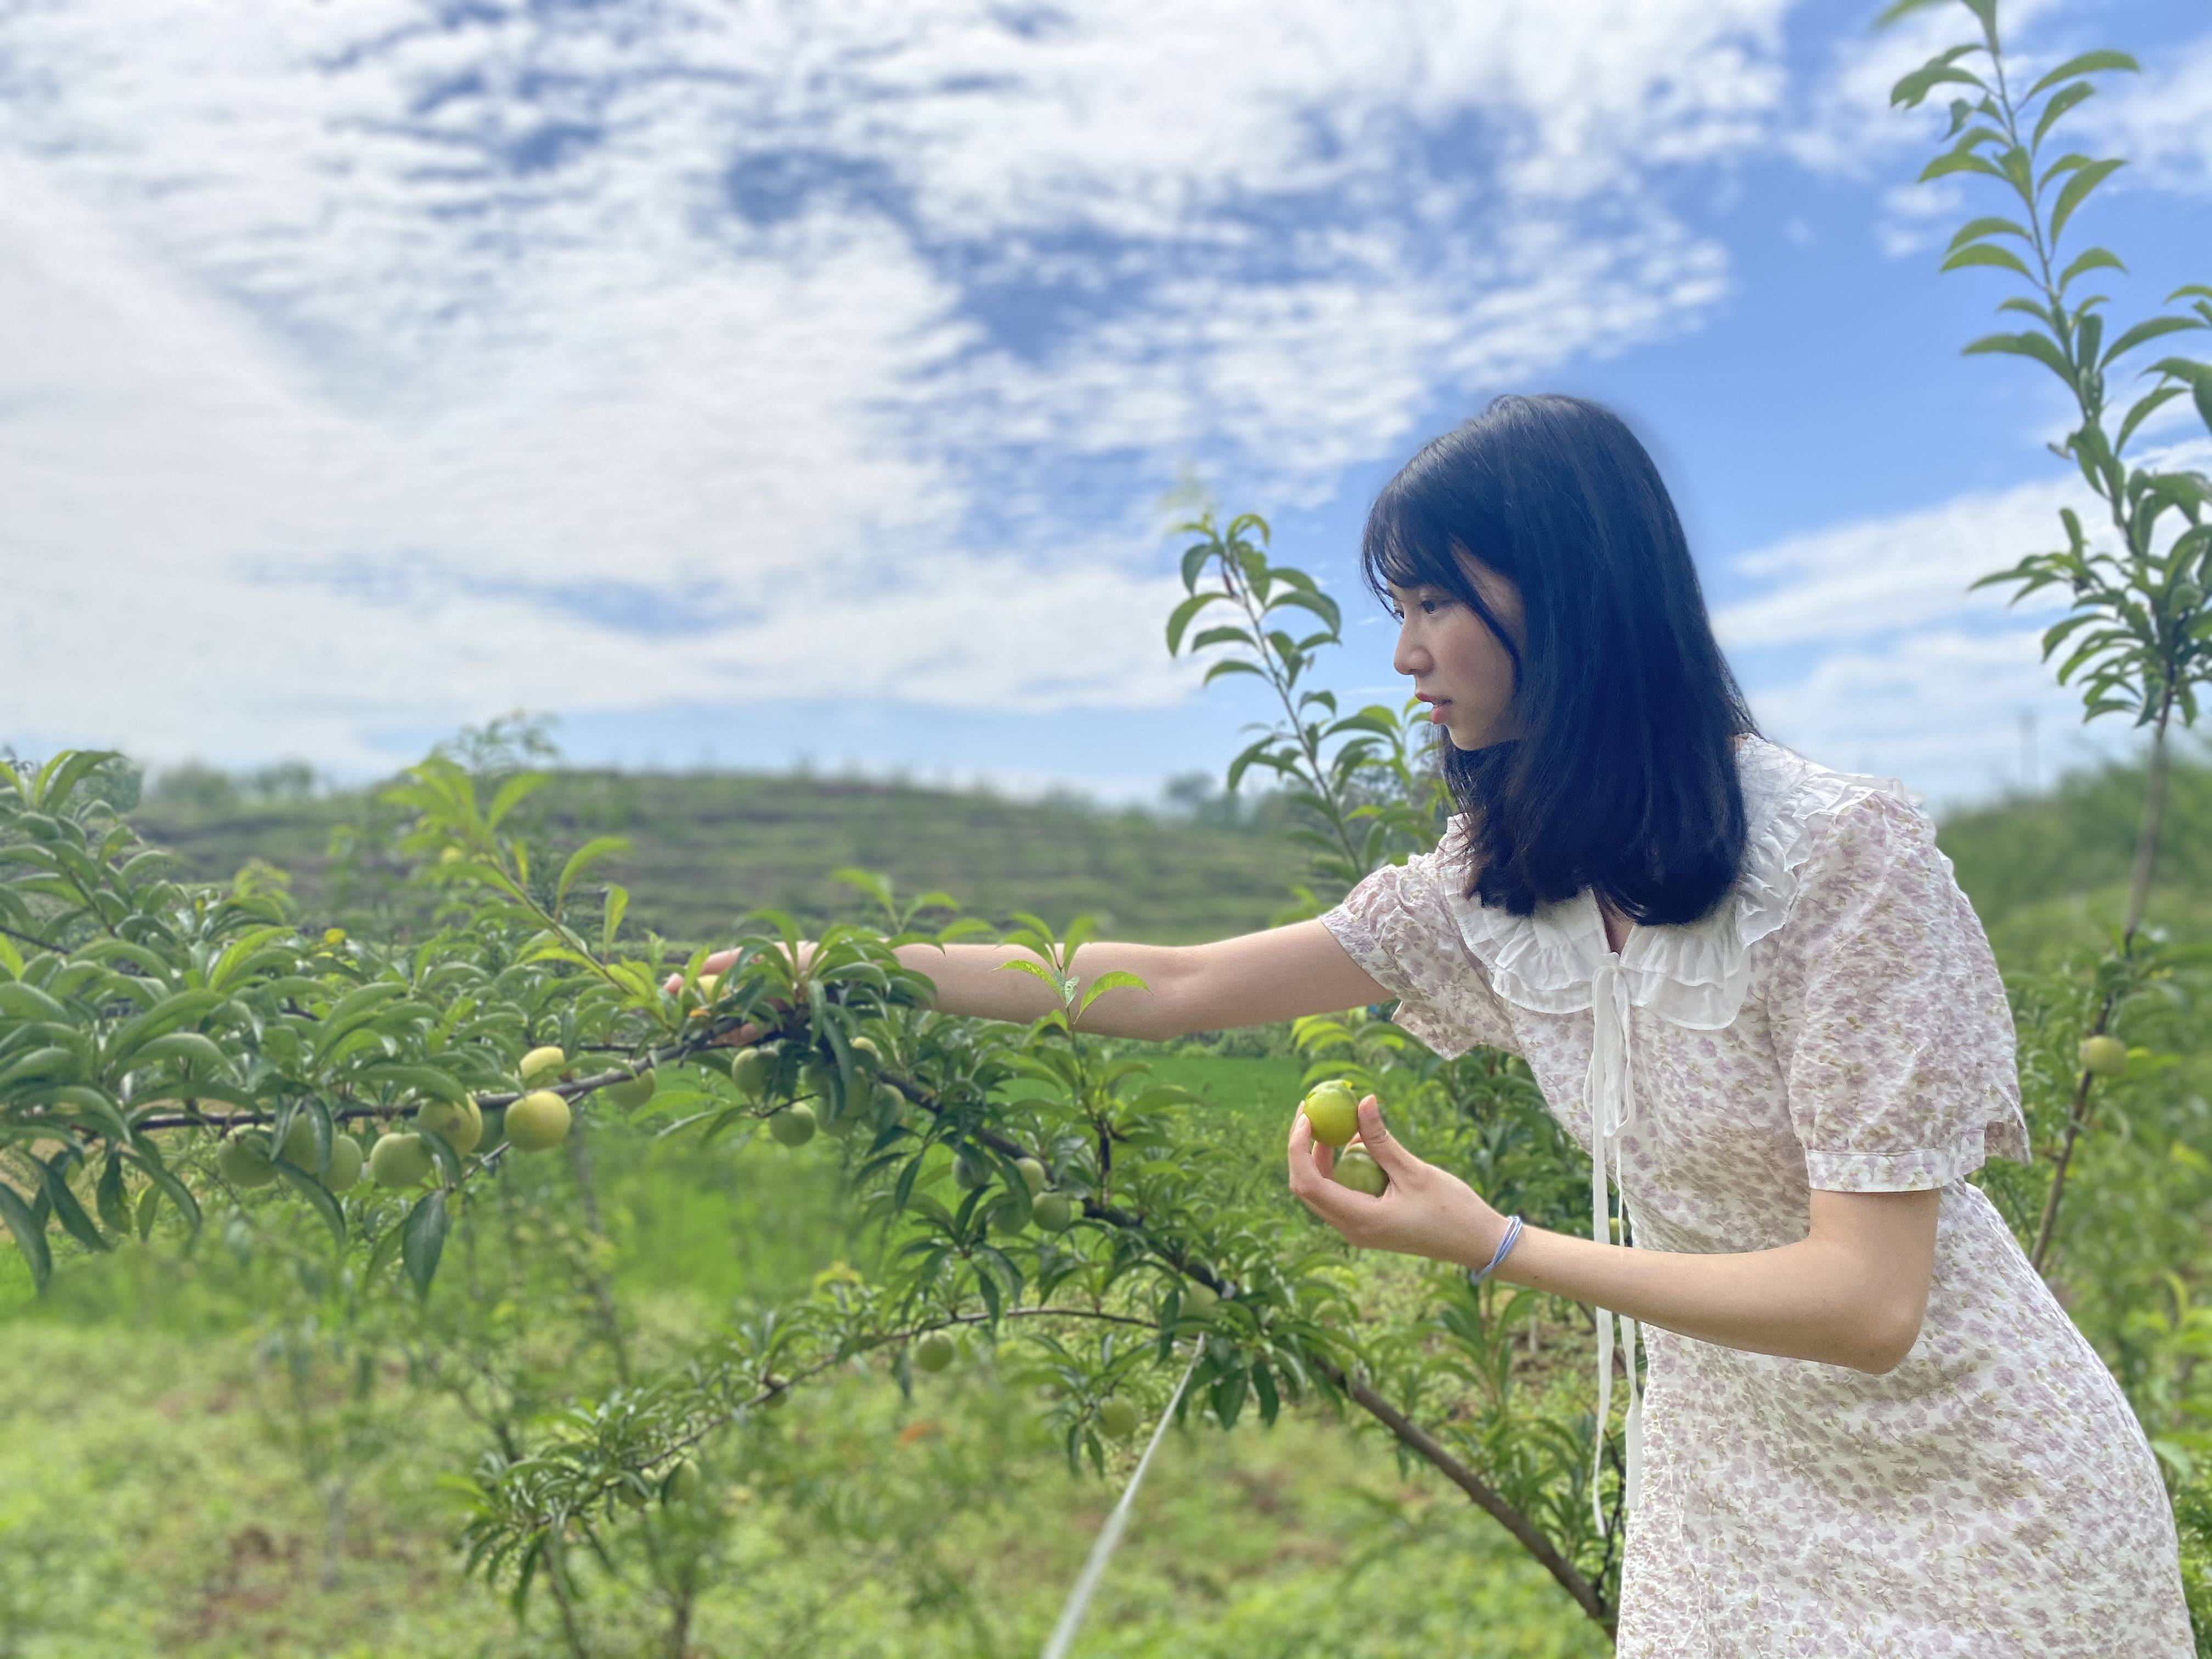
(1102, 1549)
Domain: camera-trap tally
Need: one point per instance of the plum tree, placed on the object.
(537, 1122)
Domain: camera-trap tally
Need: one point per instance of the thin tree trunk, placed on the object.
(1424, 1444)
(2147, 843)
(556, 1574)
(579, 1159)
(334, 1519)
(2138, 896)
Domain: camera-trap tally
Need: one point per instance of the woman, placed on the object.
(1750, 986)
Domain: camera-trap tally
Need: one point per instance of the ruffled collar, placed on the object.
(1695, 974)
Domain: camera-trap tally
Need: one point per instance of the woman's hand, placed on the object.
(747, 1034)
(1424, 1210)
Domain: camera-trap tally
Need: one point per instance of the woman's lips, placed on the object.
(1437, 711)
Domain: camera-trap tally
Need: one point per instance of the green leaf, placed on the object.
(510, 794)
(1975, 230)
(1319, 603)
(1959, 160)
(2040, 347)
(170, 1188)
(1179, 619)
(1897, 8)
(67, 1211)
(2058, 107)
(2089, 62)
(2094, 259)
(2076, 190)
(114, 1205)
(30, 1237)
(583, 858)
(1107, 982)
(52, 1063)
(22, 1002)
(1911, 88)
(1226, 665)
(59, 778)
(1981, 254)
(354, 1010)
(318, 1196)
(1224, 636)
(2148, 329)
(422, 1238)
(387, 1246)
(182, 1046)
(617, 902)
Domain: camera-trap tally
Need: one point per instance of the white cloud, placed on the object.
(378, 367)
(1941, 710)
(1893, 666)
(2161, 120)
(1878, 575)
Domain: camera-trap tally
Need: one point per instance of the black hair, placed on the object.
(1624, 775)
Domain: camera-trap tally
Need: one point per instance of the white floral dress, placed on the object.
(1837, 1022)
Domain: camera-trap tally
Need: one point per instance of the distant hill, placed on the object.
(2049, 869)
(2041, 869)
(706, 847)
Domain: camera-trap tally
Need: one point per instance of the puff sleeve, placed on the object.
(1398, 925)
(1890, 1022)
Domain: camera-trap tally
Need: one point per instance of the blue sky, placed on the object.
(742, 383)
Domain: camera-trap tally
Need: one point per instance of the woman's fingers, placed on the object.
(1381, 1145)
(1313, 1183)
(714, 965)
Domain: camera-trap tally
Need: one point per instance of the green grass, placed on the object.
(153, 1513)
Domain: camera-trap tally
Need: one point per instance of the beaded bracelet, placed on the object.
(1505, 1245)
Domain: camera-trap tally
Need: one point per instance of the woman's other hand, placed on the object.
(1424, 1210)
(748, 1033)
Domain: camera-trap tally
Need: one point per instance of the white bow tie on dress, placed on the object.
(1611, 1092)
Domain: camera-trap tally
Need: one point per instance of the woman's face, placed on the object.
(1455, 660)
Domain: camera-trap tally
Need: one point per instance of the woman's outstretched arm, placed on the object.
(1251, 979)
